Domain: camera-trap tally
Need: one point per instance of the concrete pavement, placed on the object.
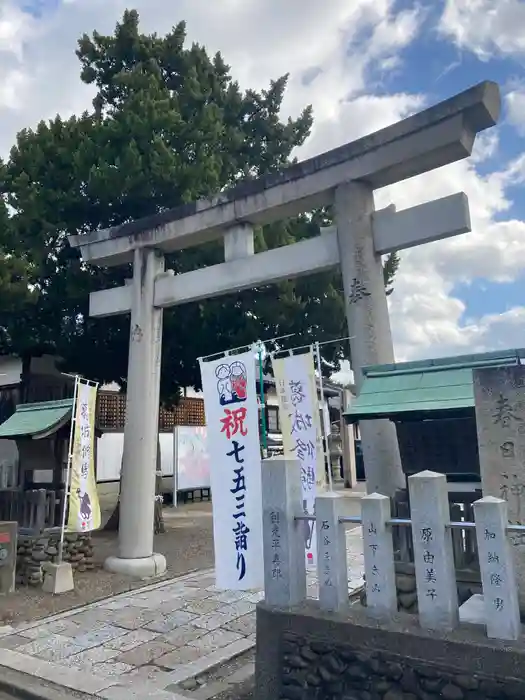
(148, 642)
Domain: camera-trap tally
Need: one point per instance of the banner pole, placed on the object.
(217, 355)
(264, 436)
(68, 469)
(324, 431)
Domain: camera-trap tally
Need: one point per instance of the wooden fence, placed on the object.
(34, 510)
(111, 412)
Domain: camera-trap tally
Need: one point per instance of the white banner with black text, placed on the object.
(301, 428)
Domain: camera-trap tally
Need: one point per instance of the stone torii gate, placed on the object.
(345, 177)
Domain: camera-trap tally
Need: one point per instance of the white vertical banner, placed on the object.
(232, 420)
(301, 428)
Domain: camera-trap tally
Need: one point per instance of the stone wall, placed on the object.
(303, 655)
(33, 551)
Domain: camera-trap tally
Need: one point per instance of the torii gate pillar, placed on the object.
(368, 325)
(137, 493)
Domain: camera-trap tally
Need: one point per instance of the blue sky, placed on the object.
(39, 8)
(484, 297)
(432, 60)
(362, 64)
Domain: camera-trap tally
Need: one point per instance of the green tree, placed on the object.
(16, 292)
(168, 125)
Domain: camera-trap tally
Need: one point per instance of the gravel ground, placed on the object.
(187, 545)
(241, 691)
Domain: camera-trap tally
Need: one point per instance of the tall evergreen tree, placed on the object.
(168, 125)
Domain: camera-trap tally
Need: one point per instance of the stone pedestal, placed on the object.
(496, 562)
(500, 418)
(58, 578)
(433, 555)
(332, 567)
(378, 552)
(283, 539)
(145, 567)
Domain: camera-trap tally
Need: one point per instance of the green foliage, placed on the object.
(390, 268)
(168, 125)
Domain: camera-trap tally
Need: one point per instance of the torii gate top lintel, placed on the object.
(434, 137)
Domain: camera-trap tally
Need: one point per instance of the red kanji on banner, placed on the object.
(233, 422)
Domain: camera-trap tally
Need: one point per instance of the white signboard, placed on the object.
(230, 402)
(109, 455)
(191, 457)
(301, 428)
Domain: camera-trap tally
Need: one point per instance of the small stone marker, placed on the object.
(434, 559)
(496, 562)
(378, 549)
(8, 551)
(499, 394)
(331, 552)
(58, 578)
(283, 541)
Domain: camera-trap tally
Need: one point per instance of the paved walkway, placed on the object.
(144, 644)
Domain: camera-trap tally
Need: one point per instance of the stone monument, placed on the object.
(500, 418)
(8, 538)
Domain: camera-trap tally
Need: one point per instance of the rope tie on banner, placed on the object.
(249, 346)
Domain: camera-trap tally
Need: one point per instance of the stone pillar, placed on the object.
(137, 500)
(496, 563)
(437, 593)
(499, 397)
(368, 326)
(332, 573)
(283, 537)
(378, 549)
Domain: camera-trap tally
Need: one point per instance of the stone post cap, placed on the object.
(489, 499)
(329, 495)
(427, 475)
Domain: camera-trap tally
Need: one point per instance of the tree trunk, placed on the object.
(158, 526)
(114, 519)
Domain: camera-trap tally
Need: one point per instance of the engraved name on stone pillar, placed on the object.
(499, 394)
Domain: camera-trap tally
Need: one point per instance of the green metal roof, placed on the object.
(417, 388)
(37, 420)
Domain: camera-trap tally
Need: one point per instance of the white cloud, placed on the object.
(260, 40)
(358, 116)
(15, 28)
(426, 318)
(486, 27)
(328, 51)
(515, 101)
